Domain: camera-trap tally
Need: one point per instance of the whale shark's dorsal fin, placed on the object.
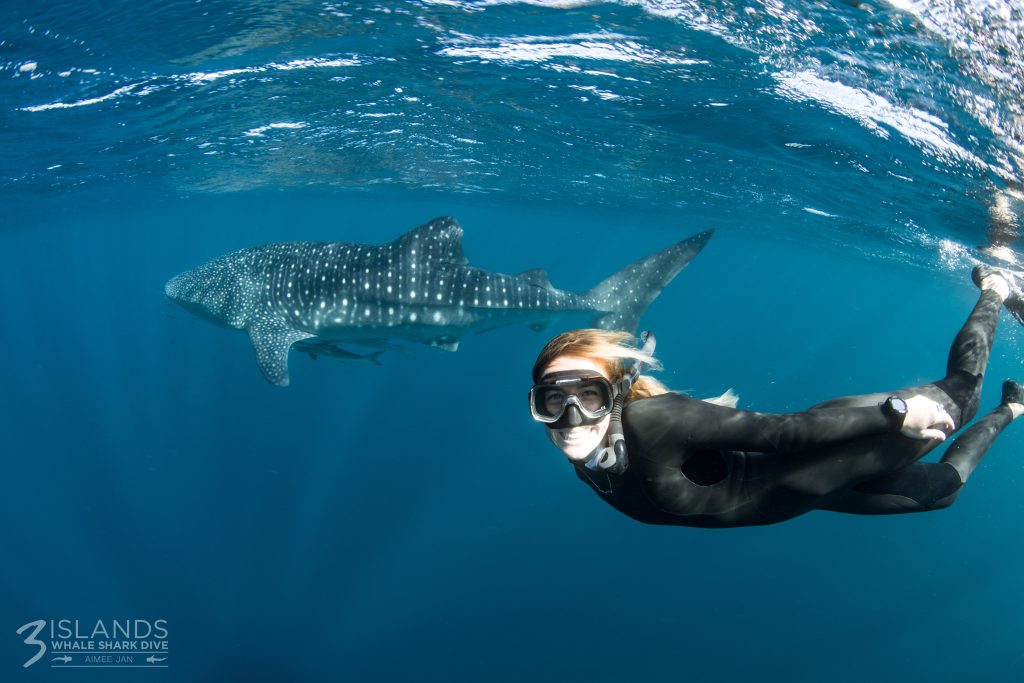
(538, 277)
(440, 239)
(271, 338)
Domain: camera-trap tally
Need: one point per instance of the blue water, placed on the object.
(409, 521)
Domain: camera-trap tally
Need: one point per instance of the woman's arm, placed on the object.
(696, 424)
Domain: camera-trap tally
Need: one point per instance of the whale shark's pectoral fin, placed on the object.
(271, 339)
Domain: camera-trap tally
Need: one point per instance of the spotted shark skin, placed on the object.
(417, 288)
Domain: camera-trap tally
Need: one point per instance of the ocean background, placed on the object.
(408, 521)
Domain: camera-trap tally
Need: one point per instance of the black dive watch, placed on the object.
(895, 409)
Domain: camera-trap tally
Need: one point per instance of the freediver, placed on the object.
(664, 458)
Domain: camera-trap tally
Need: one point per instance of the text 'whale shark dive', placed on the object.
(416, 288)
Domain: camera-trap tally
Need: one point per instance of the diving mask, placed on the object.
(571, 398)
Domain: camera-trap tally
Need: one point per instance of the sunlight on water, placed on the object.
(468, 95)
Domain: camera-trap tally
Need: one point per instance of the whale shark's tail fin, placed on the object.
(624, 297)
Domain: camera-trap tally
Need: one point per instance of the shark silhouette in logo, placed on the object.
(417, 288)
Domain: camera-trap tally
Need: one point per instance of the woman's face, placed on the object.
(578, 442)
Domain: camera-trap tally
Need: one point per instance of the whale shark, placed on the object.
(416, 288)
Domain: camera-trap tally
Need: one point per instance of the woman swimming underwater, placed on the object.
(697, 463)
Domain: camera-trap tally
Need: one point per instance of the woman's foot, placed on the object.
(1013, 397)
(987, 277)
(1007, 283)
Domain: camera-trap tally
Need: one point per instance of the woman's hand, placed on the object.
(923, 415)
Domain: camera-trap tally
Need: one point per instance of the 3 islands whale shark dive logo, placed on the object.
(99, 644)
(317, 295)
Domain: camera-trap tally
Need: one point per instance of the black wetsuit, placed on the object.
(693, 463)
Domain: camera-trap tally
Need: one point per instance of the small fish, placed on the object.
(319, 347)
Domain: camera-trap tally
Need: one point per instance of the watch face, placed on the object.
(899, 406)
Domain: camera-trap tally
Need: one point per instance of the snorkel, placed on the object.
(613, 457)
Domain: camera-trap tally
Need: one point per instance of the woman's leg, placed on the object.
(966, 452)
(918, 487)
(834, 472)
(924, 486)
(960, 389)
(968, 356)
